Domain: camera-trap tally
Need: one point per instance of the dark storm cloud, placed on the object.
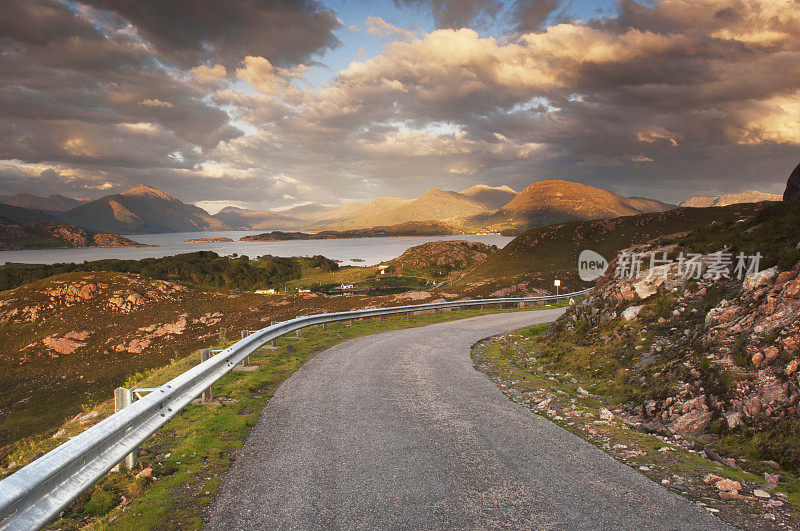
(72, 92)
(192, 32)
(524, 15)
(531, 15)
(456, 13)
(98, 89)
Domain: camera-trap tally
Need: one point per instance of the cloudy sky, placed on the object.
(272, 103)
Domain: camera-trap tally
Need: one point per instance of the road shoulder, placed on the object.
(570, 402)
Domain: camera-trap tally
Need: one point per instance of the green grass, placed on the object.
(191, 453)
(543, 254)
(516, 360)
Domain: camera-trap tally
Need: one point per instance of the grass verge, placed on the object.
(584, 403)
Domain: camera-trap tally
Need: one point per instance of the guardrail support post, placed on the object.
(299, 333)
(383, 317)
(246, 361)
(324, 326)
(352, 322)
(274, 341)
(123, 398)
(408, 315)
(207, 394)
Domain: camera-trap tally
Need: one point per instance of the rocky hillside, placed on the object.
(548, 202)
(702, 354)
(531, 261)
(792, 192)
(70, 339)
(21, 228)
(751, 196)
(140, 210)
(441, 258)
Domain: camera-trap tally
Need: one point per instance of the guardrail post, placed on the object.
(383, 317)
(299, 333)
(207, 395)
(324, 326)
(352, 322)
(274, 341)
(123, 398)
(408, 315)
(246, 361)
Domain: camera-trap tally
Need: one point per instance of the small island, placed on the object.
(220, 239)
(411, 228)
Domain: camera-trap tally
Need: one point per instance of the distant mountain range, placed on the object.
(751, 196)
(142, 209)
(53, 203)
(548, 202)
(145, 209)
(290, 218)
(491, 197)
(24, 228)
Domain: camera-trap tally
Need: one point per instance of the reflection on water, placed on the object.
(350, 251)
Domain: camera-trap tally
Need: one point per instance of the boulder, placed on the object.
(631, 313)
(762, 278)
(792, 193)
(695, 419)
(734, 419)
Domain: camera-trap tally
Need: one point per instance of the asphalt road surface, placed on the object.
(399, 430)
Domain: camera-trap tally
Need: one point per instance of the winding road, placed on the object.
(399, 430)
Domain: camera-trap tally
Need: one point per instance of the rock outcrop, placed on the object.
(736, 362)
(792, 193)
(41, 234)
(129, 293)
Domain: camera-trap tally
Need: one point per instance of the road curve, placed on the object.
(400, 430)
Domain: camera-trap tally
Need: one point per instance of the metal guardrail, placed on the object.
(37, 493)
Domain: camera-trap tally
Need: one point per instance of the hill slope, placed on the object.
(53, 203)
(549, 202)
(22, 228)
(242, 218)
(751, 196)
(288, 219)
(20, 215)
(440, 258)
(532, 260)
(434, 204)
(142, 209)
(491, 197)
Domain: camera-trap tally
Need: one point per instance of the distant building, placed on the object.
(347, 286)
(304, 291)
(270, 291)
